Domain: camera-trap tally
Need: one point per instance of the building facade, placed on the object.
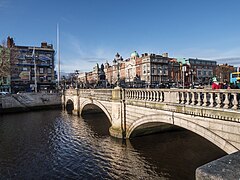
(223, 72)
(32, 62)
(197, 70)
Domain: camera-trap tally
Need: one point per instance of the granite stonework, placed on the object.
(29, 101)
(225, 168)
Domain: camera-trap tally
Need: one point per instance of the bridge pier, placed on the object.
(76, 110)
(118, 128)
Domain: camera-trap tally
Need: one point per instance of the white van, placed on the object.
(4, 93)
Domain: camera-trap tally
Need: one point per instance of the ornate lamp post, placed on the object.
(117, 60)
(76, 75)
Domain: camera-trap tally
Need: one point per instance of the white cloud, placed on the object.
(75, 56)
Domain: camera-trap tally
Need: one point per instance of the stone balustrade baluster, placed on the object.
(192, 98)
(151, 95)
(204, 99)
(226, 101)
(135, 94)
(218, 100)
(199, 101)
(145, 95)
(157, 98)
(211, 100)
(162, 96)
(138, 94)
(235, 101)
(154, 95)
(182, 97)
(187, 98)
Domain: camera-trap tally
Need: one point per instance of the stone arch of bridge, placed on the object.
(186, 124)
(68, 100)
(96, 103)
(69, 104)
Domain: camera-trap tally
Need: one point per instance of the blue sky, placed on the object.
(93, 31)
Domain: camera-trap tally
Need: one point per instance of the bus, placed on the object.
(235, 78)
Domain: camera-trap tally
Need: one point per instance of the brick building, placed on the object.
(223, 72)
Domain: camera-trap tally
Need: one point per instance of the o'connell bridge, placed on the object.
(212, 114)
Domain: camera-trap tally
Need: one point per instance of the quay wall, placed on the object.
(29, 101)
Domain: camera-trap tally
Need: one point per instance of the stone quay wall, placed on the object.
(29, 101)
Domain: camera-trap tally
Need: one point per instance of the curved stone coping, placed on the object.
(227, 168)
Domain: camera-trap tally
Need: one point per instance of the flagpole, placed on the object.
(35, 71)
(58, 52)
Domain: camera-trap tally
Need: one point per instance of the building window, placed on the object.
(41, 70)
(199, 73)
(49, 70)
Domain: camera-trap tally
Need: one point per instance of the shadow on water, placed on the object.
(176, 153)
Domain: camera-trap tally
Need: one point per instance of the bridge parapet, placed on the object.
(217, 104)
(100, 94)
(224, 99)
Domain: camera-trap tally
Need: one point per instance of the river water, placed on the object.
(56, 145)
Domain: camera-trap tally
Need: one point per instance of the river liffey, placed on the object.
(56, 145)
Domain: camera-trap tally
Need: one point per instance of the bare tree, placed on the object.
(5, 64)
(8, 58)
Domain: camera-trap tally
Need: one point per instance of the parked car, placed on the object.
(4, 93)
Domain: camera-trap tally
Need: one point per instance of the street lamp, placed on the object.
(183, 77)
(76, 75)
(117, 60)
(160, 76)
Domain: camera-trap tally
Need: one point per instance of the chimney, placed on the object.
(43, 44)
(10, 42)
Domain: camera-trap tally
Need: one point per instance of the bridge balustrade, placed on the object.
(226, 99)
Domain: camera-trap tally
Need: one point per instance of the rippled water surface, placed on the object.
(56, 145)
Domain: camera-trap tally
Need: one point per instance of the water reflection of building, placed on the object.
(23, 74)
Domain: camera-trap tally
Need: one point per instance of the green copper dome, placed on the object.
(134, 54)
